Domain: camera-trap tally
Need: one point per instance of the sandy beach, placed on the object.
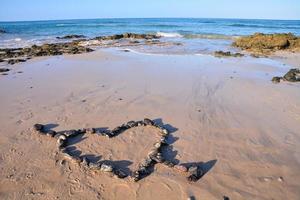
(224, 112)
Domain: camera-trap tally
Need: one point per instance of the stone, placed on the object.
(165, 132)
(94, 166)
(2, 31)
(163, 140)
(195, 173)
(146, 162)
(14, 61)
(226, 198)
(71, 133)
(90, 131)
(148, 122)
(131, 124)
(71, 36)
(276, 79)
(181, 168)
(51, 133)
(85, 162)
(293, 75)
(38, 127)
(106, 168)
(4, 70)
(157, 145)
(227, 54)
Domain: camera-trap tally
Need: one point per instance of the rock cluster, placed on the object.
(15, 55)
(154, 156)
(266, 43)
(2, 31)
(227, 54)
(12, 55)
(3, 70)
(293, 75)
(71, 37)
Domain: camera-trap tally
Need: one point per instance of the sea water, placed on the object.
(197, 35)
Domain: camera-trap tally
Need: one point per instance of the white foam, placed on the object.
(163, 34)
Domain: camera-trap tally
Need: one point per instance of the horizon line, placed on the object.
(41, 20)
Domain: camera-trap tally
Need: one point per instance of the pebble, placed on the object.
(90, 131)
(51, 133)
(146, 162)
(38, 127)
(157, 145)
(85, 161)
(94, 166)
(106, 168)
(148, 122)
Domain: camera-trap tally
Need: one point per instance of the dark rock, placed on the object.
(71, 133)
(51, 133)
(195, 173)
(226, 198)
(227, 54)
(85, 162)
(131, 124)
(4, 70)
(148, 122)
(38, 127)
(90, 131)
(276, 79)
(71, 36)
(94, 166)
(14, 61)
(293, 75)
(2, 31)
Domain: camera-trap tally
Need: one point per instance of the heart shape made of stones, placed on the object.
(155, 155)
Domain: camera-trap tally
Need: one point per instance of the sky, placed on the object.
(28, 10)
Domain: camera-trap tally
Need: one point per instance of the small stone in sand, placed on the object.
(51, 133)
(226, 198)
(276, 79)
(4, 70)
(38, 127)
(148, 122)
(106, 168)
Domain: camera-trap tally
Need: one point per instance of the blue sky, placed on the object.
(18, 10)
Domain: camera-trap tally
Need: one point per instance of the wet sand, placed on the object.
(224, 112)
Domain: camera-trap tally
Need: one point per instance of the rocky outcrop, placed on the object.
(293, 75)
(3, 70)
(10, 54)
(2, 31)
(227, 54)
(128, 36)
(15, 55)
(71, 37)
(267, 43)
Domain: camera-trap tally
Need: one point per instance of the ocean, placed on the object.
(197, 34)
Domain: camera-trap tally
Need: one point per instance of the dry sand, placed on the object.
(223, 112)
